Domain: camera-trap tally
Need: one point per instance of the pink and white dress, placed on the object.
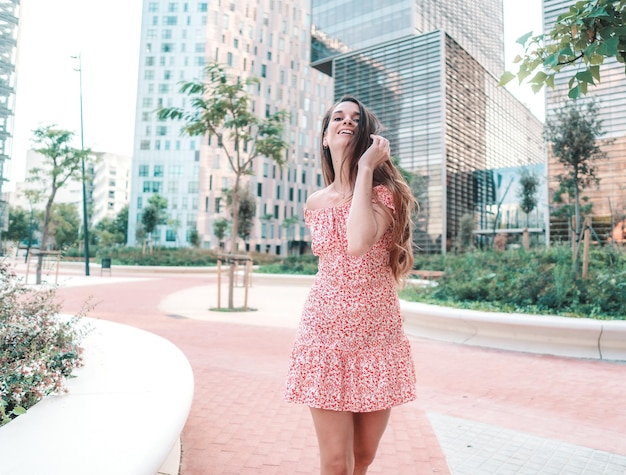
(350, 352)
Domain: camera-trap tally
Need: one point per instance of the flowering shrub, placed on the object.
(38, 350)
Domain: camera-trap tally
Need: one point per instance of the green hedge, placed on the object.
(305, 265)
(182, 257)
(538, 281)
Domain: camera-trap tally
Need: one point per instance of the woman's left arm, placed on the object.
(367, 221)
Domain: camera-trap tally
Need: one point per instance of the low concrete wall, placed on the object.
(562, 336)
(123, 414)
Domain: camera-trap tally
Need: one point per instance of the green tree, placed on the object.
(194, 238)
(120, 224)
(290, 227)
(61, 163)
(465, 237)
(19, 224)
(247, 211)
(589, 32)
(220, 109)
(527, 192)
(112, 231)
(572, 132)
(154, 215)
(104, 233)
(64, 225)
(220, 227)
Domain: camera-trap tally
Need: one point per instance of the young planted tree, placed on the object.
(64, 225)
(247, 211)
(153, 216)
(573, 132)
(220, 227)
(527, 192)
(120, 225)
(220, 109)
(582, 37)
(61, 163)
(19, 224)
(290, 228)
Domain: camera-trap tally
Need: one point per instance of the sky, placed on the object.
(106, 36)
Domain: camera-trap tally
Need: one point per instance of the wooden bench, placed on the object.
(427, 274)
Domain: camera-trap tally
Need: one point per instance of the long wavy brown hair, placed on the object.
(401, 252)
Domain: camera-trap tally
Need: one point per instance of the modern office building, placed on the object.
(428, 69)
(268, 39)
(340, 27)
(609, 197)
(450, 124)
(9, 21)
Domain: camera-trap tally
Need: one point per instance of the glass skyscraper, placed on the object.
(9, 20)
(428, 69)
(341, 27)
(609, 198)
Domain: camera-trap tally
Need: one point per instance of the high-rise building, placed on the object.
(268, 39)
(428, 69)
(609, 197)
(9, 20)
(341, 27)
(111, 185)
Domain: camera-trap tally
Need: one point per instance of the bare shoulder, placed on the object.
(320, 199)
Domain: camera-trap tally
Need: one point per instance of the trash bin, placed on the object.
(105, 265)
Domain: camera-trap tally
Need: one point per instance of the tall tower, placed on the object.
(609, 199)
(268, 39)
(9, 21)
(428, 69)
(341, 27)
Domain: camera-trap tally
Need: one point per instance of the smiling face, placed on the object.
(343, 125)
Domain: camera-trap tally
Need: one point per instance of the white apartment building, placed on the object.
(111, 185)
(107, 193)
(268, 39)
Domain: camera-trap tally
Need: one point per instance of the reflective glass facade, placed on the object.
(609, 198)
(449, 123)
(9, 19)
(340, 27)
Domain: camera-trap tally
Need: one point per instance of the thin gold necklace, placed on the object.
(342, 194)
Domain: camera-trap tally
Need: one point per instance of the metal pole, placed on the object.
(82, 159)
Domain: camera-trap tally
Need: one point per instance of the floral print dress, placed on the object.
(350, 352)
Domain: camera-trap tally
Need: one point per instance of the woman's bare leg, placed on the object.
(335, 434)
(368, 430)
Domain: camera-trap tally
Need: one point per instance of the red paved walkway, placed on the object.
(239, 424)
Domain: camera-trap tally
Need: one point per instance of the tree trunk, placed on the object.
(233, 243)
(577, 225)
(44, 238)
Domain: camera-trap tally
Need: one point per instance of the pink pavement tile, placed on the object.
(238, 422)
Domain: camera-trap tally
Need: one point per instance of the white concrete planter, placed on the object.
(123, 414)
(562, 336)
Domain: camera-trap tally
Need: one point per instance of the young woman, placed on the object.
(351, 360)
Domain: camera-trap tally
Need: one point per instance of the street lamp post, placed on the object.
(82, 147)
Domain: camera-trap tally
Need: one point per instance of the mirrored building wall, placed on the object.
(609, 197)
(341, 27)
(9, 22)
(448, 123)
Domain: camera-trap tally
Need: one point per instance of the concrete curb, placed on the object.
(543, 334)
(123, 414)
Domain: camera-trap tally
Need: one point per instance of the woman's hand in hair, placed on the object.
(377, 153)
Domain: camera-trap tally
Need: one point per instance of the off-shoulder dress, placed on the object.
(350, 352)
